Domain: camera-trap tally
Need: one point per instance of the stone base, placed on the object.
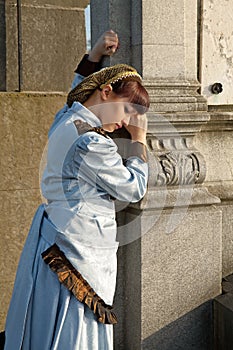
(166, 273)
(192, 331)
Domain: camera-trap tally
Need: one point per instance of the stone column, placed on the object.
(175, 264)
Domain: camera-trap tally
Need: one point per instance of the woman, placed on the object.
(66, 277)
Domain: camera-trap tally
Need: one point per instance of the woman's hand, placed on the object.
(137, 128)
(106, 45)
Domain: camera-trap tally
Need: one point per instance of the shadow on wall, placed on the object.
(3, 47)
(192, 331)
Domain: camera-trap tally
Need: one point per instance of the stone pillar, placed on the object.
(40, 43)
(175, 264)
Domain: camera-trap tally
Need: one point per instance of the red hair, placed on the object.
(136, 93)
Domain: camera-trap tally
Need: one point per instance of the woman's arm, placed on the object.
(98, 162)
(106, 45)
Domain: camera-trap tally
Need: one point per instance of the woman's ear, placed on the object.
(106, 92)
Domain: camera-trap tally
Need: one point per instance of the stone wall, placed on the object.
(216, 144)
(24, 123)
(216, 50)
(41, 42)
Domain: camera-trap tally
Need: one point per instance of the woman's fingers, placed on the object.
(106, 45)
(139, 121)
(137, 128)
(111, 41)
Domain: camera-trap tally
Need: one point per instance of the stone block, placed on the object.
(169, 275)
(9, 77)
(158, 61)
(6, 287)
(24, 123)
(159, 17)
(180, 270)
(41, 43)
(192, 331)
(160, 43)
(17, 208)
(49, 61)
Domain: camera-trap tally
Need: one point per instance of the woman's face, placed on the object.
(115, 112)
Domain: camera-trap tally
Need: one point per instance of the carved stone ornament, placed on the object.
(174, 167)
(178, 168)
(173, 159)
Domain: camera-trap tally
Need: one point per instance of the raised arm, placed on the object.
(106, 45)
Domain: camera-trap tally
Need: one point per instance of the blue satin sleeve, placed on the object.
(98, 162)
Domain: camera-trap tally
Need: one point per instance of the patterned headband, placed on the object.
(105, 76)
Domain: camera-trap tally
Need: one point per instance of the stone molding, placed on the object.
(224, 190)
(55, 4)
(219, 121)
(179, 168)
(175, 95)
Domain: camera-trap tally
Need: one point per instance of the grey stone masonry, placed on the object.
(40, 43)
(170, 260)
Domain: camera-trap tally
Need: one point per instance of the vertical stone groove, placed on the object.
(19, 24)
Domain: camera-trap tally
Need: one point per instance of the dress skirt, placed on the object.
(43, 313)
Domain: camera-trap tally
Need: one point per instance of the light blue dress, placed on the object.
(83, 174)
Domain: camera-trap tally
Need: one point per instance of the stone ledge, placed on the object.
(219, 121)
(56, 3)
(176, 123)
(179, 197)
(23, 94)
(221, 189)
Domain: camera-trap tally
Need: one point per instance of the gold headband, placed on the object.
(121, 77)
(105, 76)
